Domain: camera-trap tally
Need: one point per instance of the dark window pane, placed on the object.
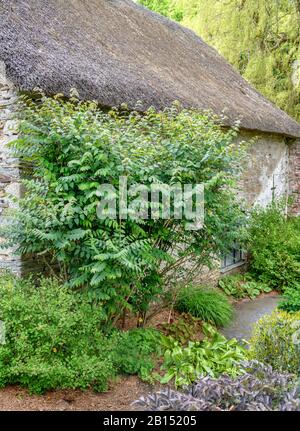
(234, 257)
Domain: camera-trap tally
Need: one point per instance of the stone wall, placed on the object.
(294, 176)
(273, 172)
(9, 168)
(266, 177)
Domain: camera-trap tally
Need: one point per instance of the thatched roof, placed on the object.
(116, 51)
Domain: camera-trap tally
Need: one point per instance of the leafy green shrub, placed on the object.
(259, 388)
(212, 356)
(291, 299)
(274, 247)
(134, 351)
(206, 304)
(275, 341)
(75, 148)
(52, 338)
(242, 286)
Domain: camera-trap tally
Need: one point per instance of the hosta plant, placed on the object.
(212, 356)
(241, 286)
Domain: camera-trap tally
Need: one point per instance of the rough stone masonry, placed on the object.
(9, 167)
(294, 177)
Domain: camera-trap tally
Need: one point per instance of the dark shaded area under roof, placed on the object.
(115, 51)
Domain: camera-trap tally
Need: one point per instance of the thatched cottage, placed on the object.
(116, 51)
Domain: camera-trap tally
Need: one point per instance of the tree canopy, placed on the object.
(261, 39)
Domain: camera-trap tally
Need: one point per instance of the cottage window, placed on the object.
(234, 258)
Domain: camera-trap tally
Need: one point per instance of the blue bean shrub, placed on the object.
(70, 148)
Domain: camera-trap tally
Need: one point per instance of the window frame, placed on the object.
(238, 258)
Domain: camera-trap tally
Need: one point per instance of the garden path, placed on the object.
(249, 312)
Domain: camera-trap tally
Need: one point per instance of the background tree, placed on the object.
(260, 38)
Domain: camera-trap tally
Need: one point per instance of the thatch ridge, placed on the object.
(115, 51)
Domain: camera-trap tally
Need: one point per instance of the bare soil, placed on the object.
(120, 397)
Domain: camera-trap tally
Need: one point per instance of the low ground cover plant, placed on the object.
(206, 304)
(136, 352)
(276, 341)
(241, 286)
(258, 388)
(184, 329)
(212, 356)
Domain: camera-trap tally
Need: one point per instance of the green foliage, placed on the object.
(183, 330)
(274, 247)
(259, 388)
(164, 7)
(264, 34)
(212, 356)
(275, 341)
(54, 341)
(243, 286)
(291, 299)
(74, 148)
(52, 338)
(134, 352)
(206, 304)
